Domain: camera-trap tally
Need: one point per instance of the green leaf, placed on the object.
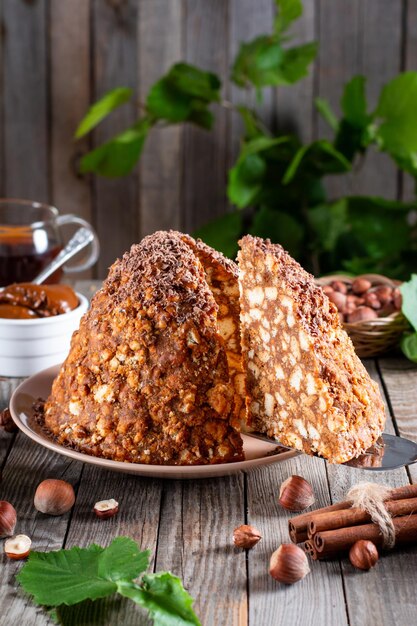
(245, 180)
(102, 108)
(166, 102)
(319, 158)
(165, 598)
(288, 12)
(264, 62)
(183, 94)
(329, 222)
(246, 177)
(223, 233)
(201, 117)
(409, 297)
(409, 346)
(195, 82)
(396, 109)
(257, 62)
(253, 126)
(323, 107)
(295, 63)
(351, 139)
(71, 576)
(280, 227)
(118, 156)
(353, 102)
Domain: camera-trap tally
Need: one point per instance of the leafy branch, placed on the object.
(277, 183)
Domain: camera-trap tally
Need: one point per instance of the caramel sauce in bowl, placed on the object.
(36, 326)
(26, 300)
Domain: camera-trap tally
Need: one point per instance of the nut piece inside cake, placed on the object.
(305, 384)
(147, 377)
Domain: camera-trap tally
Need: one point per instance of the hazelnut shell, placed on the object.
(363, 554)
(8, 519)
(106, 508)
(288, 564)
(296, 494)
(54, 497)
(17, 547)
(246, 536)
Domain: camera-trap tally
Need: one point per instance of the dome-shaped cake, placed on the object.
(147, 377)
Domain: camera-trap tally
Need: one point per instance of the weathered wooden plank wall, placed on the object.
(56, 56)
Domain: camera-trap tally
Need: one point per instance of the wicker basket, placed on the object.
(373, 337)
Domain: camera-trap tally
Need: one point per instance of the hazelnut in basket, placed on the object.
(370, 309)
(360, 299)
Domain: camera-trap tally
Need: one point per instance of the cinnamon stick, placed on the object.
(298, 525)
(355, 516)
(311, 549)
(339, 541)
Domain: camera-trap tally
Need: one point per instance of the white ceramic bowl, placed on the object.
(29, 346)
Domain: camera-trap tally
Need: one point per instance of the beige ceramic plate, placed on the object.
(258, 453)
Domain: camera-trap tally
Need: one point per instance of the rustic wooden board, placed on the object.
(70, 99)
(205, 153)
(116, 210)
(160, 44)
(26, 124)
(380, 61)
(307, 602)
(409, 62)
(295, 103)
(195, 542)
(138, 517)
(351, 36)
(27, 465)
(370, 599)
(6, 443)
(247, 20)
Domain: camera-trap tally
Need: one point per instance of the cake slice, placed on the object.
(305, 384)
(147, 378)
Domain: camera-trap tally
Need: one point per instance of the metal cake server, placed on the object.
(390, 452)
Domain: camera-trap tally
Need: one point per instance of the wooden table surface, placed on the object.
(188, 527)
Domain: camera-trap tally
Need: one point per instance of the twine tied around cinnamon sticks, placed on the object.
(379, 514)
(370, 497)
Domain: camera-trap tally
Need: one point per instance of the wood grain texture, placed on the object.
(70, 98)
(138, 518)
(160, 44)
(116, 211)
(409, 63)
(338, 60)
(195, 542)
(295, 103)
(400, 379)
(205, 153)
(26, 124)
(307, 602)
(380, 61)
(247, 20)
(27, 465)
(370, 599)
(359, 37)
(58, 57)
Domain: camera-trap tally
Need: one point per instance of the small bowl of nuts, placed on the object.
(370, 310)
